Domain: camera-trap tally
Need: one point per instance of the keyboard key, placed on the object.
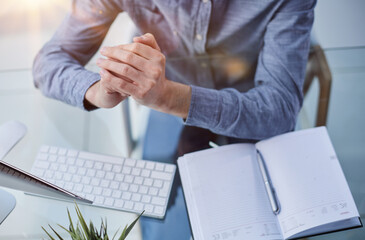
(97, 190)
(143, 189)
(129, 162)
(53, 150)
(62, 168)
(99, 200)
(117, 168)
(124, 186)
(109, 202)
(89, 164)
(158, 201)
(119, 177)
(61, 159)
(153, 191)
(107, 167)
(126, 170)
(114, 185)
(119, 203)
(145, 173)
(169, 168)
(140, 164)
(128, 179)
(48, 174)
(88, 189)
(158, 210)
(71, 160)
(58, 176)
(128, 205)
(161, 175)
(67, 177)
(95, 182)
(148, 208)
(76, 179)
(116, 194)
(62, 151)
(138, 207)
(157, 183)
(98, 157)
(126, 195)
(100, 174)
(72, 153)
(69, 186)
(38, 172)
(136, 171)
(109, 175)
(53, 166)
(104, 183)
(133, 188)
(52, 158)
(85, 180)
(163, 193)
(138, 180)
(150, 165)
(106, 192)
(90, 173)
(72, 169)
(159, 167)
(81, 171)
(146, 198)
(136, 197)
(147, 182)
(80, 162)
(78, 187)
(98, 165)
(90, 197)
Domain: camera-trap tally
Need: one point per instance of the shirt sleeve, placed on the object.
(272, 106)
(58, 69)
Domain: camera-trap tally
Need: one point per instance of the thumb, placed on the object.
(147, 39)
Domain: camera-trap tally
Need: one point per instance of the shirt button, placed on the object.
(205, 1)
(174, 32)
(199, 37)
(203, 65)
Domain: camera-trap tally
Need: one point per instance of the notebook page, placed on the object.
(225, 195)
(308, 179)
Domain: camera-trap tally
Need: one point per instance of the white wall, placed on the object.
(340, 23)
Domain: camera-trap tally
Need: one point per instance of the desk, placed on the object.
(55, 123)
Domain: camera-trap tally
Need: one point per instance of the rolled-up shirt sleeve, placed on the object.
(272, 106)
(58, 69)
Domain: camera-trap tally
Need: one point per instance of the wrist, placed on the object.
(177, 99)
(90, 98)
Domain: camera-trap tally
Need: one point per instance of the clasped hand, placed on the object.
(138, 70)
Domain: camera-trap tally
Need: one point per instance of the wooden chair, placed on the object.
(317, 66)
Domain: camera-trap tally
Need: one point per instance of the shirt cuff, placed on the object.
(204, 108)
(78, 92)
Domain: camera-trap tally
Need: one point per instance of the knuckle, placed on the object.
(135, 47)
(128, 57)
(125, 70)
(161, 58)
(122, 84)
(156, 73)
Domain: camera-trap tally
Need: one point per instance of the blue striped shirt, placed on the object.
(244, 59)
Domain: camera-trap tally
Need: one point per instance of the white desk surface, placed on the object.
(55, 123)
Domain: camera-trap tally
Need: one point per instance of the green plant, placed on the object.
(89, 232)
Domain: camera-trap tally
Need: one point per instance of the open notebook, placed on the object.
(226, 197)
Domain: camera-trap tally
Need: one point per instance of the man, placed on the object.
(233, 67)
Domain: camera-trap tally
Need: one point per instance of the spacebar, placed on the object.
(99, 157)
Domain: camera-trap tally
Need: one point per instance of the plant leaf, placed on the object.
(49, 235)
(127, 229)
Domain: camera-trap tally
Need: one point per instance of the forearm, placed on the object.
(176, 100)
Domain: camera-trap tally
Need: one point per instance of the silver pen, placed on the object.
(268, 184)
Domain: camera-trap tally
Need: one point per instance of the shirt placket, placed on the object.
(204, 78)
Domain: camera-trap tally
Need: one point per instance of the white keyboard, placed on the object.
(112, 182)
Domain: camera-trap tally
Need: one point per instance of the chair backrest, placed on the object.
(318, 67)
